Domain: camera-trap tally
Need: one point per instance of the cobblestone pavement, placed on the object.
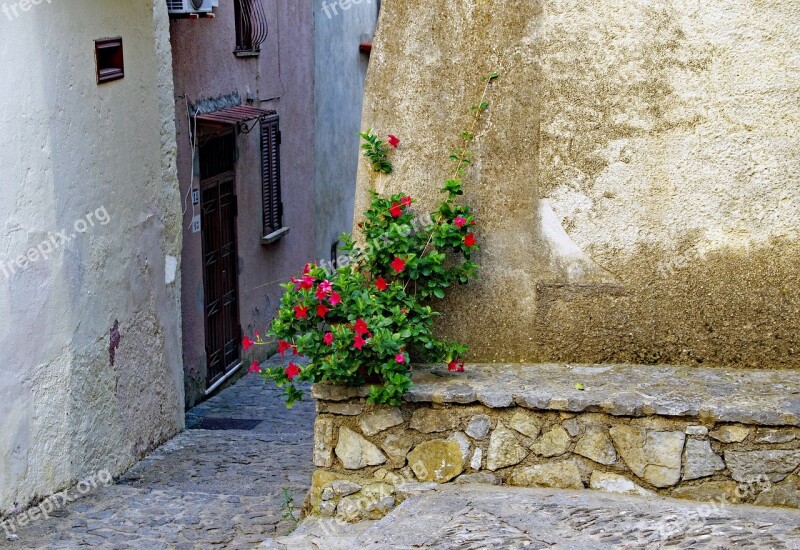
(476, 517)
(203, 489)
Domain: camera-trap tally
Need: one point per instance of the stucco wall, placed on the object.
(280, 78)
(340, 69)
(69, 148)
(636, 177)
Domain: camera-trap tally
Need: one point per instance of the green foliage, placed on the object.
(365, 322)
(377, 152)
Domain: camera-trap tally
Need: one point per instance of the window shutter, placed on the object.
(271, 173)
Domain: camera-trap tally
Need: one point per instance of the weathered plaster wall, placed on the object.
(340, 69)
(68, 148)
(280, 78)
(636, 177)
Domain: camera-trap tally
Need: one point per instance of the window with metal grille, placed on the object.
(252, 28)
(271, 178)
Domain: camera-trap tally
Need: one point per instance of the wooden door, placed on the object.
(220, 257)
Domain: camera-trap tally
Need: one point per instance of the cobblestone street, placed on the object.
(203, 489)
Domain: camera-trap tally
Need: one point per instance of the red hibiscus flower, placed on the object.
(328, 339)
(396, 210)
(283, 347)
(406, 201)
(381, 284)
(307, 268)
(301, 312)
(322, 310)
(358, 342)
(292, 371)
(254, 368)
(469, 240)
(360, 327)
(247, 343)
(455, 366)
(306, 282)
(400, 358)
(394, 141)
(459, 222)
(335, 299)
(398, 265)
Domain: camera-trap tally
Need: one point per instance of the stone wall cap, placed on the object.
(759, 397)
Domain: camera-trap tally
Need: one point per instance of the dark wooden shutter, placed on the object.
(271, 173)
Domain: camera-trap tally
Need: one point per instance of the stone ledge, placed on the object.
(758, 397)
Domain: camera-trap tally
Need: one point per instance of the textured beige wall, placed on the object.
(69, 147)
(637, 176)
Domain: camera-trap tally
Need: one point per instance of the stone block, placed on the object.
(525, 424)
(396, 447)
(438, 460)
(433, 421)
(380, 420)
(717, 491)
(553, 443)
(324, 438)
(342, 409)
(596, 445)
(651, 455)
(343, 488)
(750, 466)
(774, 436)
(615, 483)
(561, 475)
(355, 452)
(700, 460)
(504, 449)
(479, 426)
(786, 493)
(730, 434)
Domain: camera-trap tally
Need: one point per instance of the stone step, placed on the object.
(721, 435)
(479, 516)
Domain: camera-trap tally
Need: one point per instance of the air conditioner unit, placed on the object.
(181, 7)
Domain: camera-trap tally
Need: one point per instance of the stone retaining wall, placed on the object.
(371, 458)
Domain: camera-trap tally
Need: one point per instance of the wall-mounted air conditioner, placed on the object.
(184, 7)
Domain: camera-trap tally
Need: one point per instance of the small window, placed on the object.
(271, 179)
(252, 28)
(109, 60)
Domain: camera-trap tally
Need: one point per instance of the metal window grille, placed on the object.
(252, 28)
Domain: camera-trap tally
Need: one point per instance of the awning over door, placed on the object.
(233, 115)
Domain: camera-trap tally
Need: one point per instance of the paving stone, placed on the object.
(202, 489)
(480, 516)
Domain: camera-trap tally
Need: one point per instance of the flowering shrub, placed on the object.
(364, 322)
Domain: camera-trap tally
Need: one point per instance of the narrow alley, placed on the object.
(204, 488)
